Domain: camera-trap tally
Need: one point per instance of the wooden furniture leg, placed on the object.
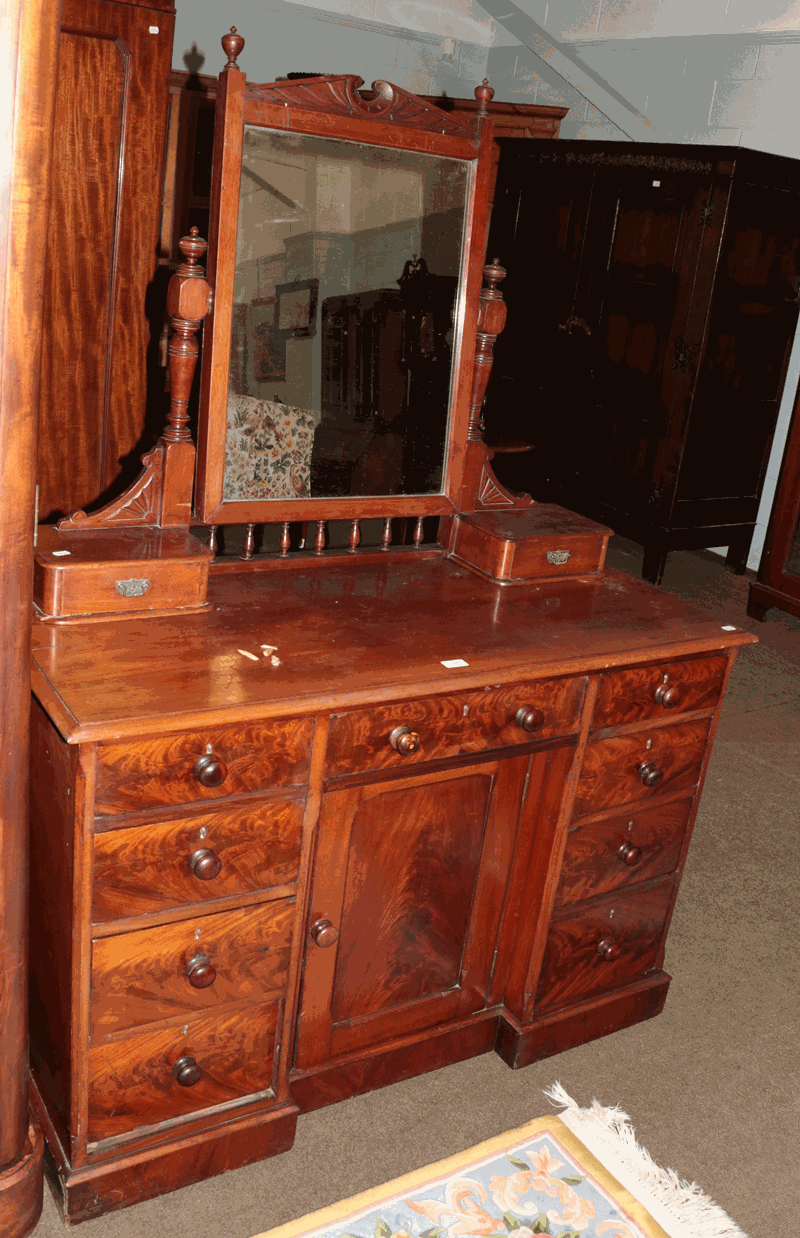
(654, 562)
(29, 30)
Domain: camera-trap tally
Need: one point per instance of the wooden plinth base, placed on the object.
(21, 1190)
(92, 1190)
(520, 1044)
(358, 1075)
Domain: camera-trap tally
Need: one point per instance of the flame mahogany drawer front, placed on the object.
(151, 868)
(603, 944)
(662, 690)
(628, 768)
(197, 765)
(144, 1079)
(410, 732)
(619, 851)
(180, 970)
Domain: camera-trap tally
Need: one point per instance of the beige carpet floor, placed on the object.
(712, 1084)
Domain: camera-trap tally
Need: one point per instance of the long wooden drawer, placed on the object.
(661, 690)
(150, 868)
(602, 944)
(622, 850)
(614, 772)
(446, 726)
(132, 1082)
(198, 765)
(179, 970)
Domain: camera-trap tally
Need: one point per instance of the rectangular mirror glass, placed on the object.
(348, 261)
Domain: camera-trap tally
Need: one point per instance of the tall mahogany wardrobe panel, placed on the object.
(102, 306)
(652, 296)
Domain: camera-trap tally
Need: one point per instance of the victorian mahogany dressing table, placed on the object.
(306, 823)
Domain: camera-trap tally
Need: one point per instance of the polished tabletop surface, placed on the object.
(350, 633)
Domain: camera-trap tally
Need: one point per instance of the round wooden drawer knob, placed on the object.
(608, 949)
(200, 971)
(529, 718)
(324, 934)
(210, 771)
(649, 774)
(668, 696)
(629, 854)
(205, 864)
(404, 740)
(187, 1072)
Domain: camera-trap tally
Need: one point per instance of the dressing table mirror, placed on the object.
(309, 822)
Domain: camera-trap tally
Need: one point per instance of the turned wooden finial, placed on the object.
(232, 45)
(192, 247)
(484, 95)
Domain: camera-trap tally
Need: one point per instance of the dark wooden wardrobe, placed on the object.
(102, 302)
(652, 304)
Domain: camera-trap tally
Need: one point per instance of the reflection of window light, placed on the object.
(448, 49)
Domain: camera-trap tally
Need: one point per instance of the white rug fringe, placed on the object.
(679, 1207)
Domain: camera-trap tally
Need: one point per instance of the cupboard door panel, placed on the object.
(411, 875)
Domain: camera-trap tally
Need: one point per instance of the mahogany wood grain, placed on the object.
(343, 640)
(451, 725)
(537, 543)
(131, 1081)
(142, 977)
(162, 771)
(148, 868)
(227, 1143)
(573, 968)
(113, 90)
(622, 850)
(630, 695)
(54, 786)
(119, 571)
(520, 1045)
(609, 775)
(375, 1068)
(29, 37)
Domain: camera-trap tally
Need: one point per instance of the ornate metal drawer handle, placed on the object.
(558, 556)
(132, 588)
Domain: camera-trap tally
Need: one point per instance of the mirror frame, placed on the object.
(386, 116)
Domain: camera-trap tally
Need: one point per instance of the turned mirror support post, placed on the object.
(188, 302)
(161, 496)
(482, 482)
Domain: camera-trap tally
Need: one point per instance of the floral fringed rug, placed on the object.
(580, 1175)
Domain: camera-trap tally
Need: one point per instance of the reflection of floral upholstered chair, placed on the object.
(267, 449)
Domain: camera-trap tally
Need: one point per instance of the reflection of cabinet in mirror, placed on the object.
(778, 581)
(385, 371)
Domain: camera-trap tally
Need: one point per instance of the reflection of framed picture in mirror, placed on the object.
(297, 308)
(269, 343)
